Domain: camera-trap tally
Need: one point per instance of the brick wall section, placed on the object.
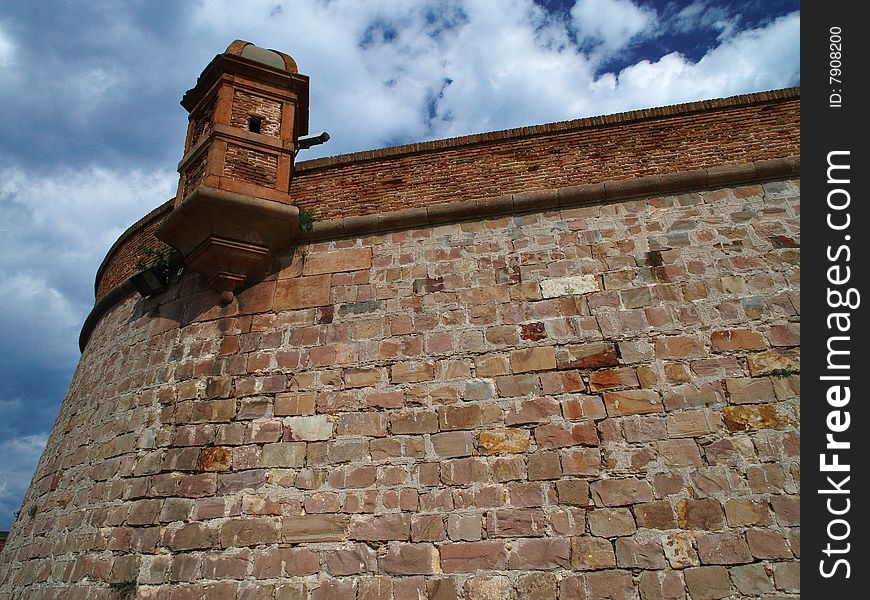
(595, 403)
(662, 140)
(119, 261)
(246, 105)
(253, 166)
(194, 174)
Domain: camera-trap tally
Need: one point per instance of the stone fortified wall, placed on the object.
(585, 391)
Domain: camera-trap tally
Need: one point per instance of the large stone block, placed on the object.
(570, 286)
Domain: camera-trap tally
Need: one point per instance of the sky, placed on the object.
(91, 128)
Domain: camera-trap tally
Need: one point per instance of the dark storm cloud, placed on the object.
(96, 82)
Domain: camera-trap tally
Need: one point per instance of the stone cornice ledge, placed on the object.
(107, 301)
(523, 202)
(553, 199)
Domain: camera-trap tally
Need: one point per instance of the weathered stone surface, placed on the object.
(753, 416)
(749, 390)
(621, 492)
(591, 553)
(335, 589)
(587, 356)
(314, 528)
(537, 586)
(570, 434)
(607, 379)
(486, 587)
(412, 372)
(679, 347)
(767, 544)
(535, 410)
(661, 585)
(569, 286)
(632, 402)
(611, 522)
(573, 491)
(281, 562)
(776, 361)
(708, 583)
(544, 554)
(688, 424)
(380, 528)
(444, 588)
(679, 549)
(462, 416)
(249, 532)
(310, 429)
(722, 549)
(679, 453)
(465, 528)
(495, 441)
(610, 585)
(655, 515)
(688, 396)
(787, 509)
(751, 580)
(405, 422)
(375, 588)
(581, 461)
(359, 558)
(636, 554)
(302, 292)
(703, 514)
(735, 340)
(533, 359)
(283, 454)
(452, 444)
(741, 512)
(544, 465)
(467, 557)
(352, 259)
(521, 522)
(410, 559)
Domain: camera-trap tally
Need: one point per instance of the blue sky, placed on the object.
(91, 128)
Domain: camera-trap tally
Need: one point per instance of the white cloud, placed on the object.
(763, 58)
(703, 14)
(7, 48)
(611, 24)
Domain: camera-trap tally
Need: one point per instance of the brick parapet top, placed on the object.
(548, 128)
(130, 235)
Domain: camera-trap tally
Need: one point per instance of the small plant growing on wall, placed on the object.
(782, 373)
(156, 269)
(306, 219)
